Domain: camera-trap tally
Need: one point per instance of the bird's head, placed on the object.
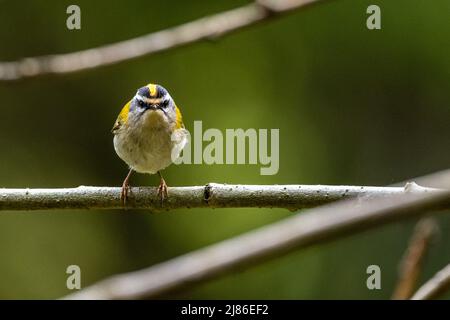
(153, 105)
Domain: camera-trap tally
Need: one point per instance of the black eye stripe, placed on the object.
(158, 105)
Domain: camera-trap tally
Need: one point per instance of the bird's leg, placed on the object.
(162, 189)
(125, 188)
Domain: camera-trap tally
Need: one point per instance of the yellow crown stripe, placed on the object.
(153, 90)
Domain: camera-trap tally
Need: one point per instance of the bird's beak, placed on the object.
(155, 107)
(152, 107)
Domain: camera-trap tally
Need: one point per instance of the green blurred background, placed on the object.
(353, 106)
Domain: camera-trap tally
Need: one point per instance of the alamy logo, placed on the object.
(374, 20)
(374, 280)
(236, 146)
(73, 21)
(74, 280)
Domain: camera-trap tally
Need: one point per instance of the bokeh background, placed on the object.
(353, 106)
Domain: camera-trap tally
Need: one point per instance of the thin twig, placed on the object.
(433, 180)
(212, 195)
(210, 27)
(300, 231)
(434, 287)
(412, 262)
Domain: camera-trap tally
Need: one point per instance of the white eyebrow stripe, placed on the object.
(138, 97)
(152, 100)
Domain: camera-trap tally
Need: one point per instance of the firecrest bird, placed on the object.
(149, 135)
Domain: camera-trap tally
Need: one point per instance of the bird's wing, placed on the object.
(179, 123)
(122, 118)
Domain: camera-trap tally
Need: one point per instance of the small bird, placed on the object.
(149, 135)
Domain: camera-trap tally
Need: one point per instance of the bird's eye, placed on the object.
(140, 103)
(165, 103)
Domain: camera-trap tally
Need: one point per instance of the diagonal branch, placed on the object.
(300, 231)
(434, 287)
(210, 27)
(212, 195)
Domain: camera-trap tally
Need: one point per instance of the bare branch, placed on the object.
(212, 195)
(411, 264)
(300, 231)
(434, 287)
(210, 27)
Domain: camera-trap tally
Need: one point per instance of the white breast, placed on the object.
(149, 149)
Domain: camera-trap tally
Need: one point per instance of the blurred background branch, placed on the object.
(411, 265)
(213, 195)
(300, 231)
(210, 27)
